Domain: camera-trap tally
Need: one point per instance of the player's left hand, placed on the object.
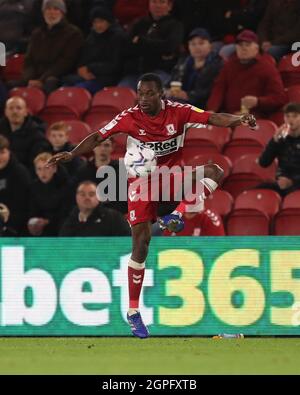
(249, 120)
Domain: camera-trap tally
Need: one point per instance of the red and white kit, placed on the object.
(164, 133)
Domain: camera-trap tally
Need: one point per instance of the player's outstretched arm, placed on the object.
(84, 147)
(229, 120)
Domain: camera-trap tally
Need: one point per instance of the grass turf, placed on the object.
(151, 356)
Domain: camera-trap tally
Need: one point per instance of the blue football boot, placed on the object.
(138, 328)
(171, 222)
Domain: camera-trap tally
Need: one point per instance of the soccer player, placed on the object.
(162, 125)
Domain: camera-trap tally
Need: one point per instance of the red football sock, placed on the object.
(135, 282)
(208, 186)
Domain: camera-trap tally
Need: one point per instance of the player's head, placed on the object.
(149, 93)
(292, 116)
(86, 196)
(45, 174)
(58, 135)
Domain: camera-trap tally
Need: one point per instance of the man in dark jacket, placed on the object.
(153, 44)
(285, 146)
(99, 63)
(24, 132)
(53, 48)
(91, 218)
(14, 187)
(280, 27)
(196, 71)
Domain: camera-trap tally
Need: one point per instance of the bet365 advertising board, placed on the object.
(192, 286)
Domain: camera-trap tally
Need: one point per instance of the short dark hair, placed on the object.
(291, 107)
(86, 182)
(4, 143)
(152, 77)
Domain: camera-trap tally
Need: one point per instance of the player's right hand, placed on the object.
(60, 157)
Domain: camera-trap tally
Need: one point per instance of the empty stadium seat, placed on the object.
(66, 104)
(34, 98)
(287, 222)
(263, 134)
(14, 67)
(293, 93)
(249, 164)
(247, 222)
(289, 73)
(78, 131)
(264, 200)
(292, 201)
(240, 182)
(209, 136)
(220, 201)
(239, 147)
(219, 159)
(108, 103)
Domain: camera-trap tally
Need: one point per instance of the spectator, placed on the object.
(58, 135)
(200, 223)
(14, 188)
(15, 24)
(91, 218)
(48, 203)
(24, 132)
(102, 158)
(5, 229)
(196, 71)
(53, 49)
(285, 146)
(280, 27)
(99, 64)
(248, 82)
(153, 44)
(127, 11)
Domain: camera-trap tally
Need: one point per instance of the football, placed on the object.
(140, 160)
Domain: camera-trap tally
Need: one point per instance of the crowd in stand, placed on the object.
(222, 56)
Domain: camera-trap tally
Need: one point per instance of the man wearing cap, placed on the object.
(99, 64)
(196, 71)
(248, 82)
(53, 48)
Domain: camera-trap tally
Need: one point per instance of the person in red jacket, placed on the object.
(248, 82)
(203, 223)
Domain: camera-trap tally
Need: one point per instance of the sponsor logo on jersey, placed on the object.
(161, 148)
(142, 132)
(109, 126)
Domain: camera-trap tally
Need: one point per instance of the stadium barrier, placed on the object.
(193, 286)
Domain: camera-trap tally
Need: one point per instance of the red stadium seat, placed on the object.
(277, 117)
(292, 201)
(238, 183)
(108, 103)
(239, 147)
(287, 223)
(78, 131)
(293, 93)
(263, 134)
(289, 73)
(204, 159)
(66, 104)
(34, 98)
(249, 164)
(220, 201)
(14, 67)
(247, 222)
(264, 200)
(209, 136)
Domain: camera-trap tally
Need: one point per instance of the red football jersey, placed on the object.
(206, 223)
(165, 133)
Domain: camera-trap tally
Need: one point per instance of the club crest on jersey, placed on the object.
(171, 129)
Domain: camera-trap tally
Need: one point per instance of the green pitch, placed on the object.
(151, 356)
